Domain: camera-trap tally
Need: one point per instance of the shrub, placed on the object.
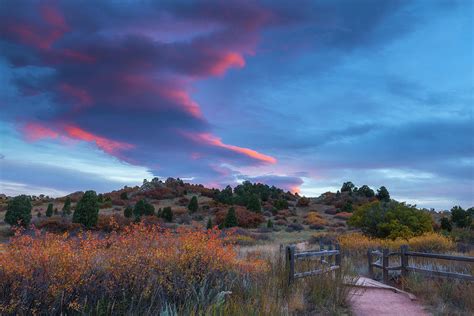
(143, 208)
(57, 225)
(358, 243)
(392, 220)
(143, 270)
(294, 227)
(280, 204)
(87, 210)
(343, 215)
(313, 218)
(124, 195)
(302, 202)
(193, 205)
(49, 210)
(245, 218)
(18, 211)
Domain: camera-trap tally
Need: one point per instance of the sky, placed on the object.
(302, 95)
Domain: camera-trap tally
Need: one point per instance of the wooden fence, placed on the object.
(292, 256)
(405, 268)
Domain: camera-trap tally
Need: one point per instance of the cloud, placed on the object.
(113, 81)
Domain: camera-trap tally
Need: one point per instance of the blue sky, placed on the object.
(301, 96)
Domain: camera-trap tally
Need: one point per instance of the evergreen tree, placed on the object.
(209, 223)
(254, 204)
(383, 195)
(446, 224)
(231, 218)
(124, 195)
(460, 217)
(49, 210)
(269, 223)
(193, 205)
(87, 210)
(128, 212)
(366, 191)
(67, 206)
(347, 187)
(142, 208)
(18, 211)
(167, 214)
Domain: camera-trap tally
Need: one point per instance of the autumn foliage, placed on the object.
(142, 269)
(245, 218)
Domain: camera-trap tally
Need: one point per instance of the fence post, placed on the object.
(385, 265)
(369, 259)
(404, 260)
(290, 262)
(338, 261)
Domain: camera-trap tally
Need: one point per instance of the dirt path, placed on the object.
(374, 298)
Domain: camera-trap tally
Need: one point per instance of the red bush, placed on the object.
(245, 218)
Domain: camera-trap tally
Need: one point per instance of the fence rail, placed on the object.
(292, 256)
(383, 263)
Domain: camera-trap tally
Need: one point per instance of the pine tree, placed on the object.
(269, 223)
(382, 194)
(67, 206)
(49, 211)
(128, 212)
(254, 204)
(209, 223)
(87, 210)
(193, 205)
(142, 208)
(167, 214)
(231, 218)
(19, 211)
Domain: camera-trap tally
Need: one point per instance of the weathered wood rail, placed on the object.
(405, 268)
(325, 258)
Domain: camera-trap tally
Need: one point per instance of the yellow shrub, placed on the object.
(314, 218)
(431, 242)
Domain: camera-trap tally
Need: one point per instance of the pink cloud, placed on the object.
(107, 145)
(211, 140)
(229, 60)
(35, 132)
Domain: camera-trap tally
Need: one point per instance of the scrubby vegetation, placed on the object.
(391, 220)
(262, 216)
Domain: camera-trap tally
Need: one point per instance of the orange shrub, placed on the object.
(315, 219)
(57, 225)
(145, 268)
(343, 215)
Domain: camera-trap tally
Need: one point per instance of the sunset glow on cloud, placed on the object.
(303, 96)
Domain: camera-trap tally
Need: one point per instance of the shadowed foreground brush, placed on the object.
(143, 270)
